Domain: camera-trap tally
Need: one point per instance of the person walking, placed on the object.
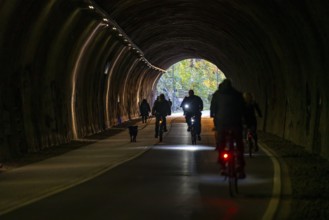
(145, 110)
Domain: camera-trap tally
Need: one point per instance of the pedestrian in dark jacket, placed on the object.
(145, 110)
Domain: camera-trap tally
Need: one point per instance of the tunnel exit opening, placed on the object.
(200, 75)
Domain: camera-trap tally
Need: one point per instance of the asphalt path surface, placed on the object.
(172, 180)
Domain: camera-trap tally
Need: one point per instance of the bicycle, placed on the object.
(250, 141)
(160, 128)
(230, 158)
(193, 130)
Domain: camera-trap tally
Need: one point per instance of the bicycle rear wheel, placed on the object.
(233, 179)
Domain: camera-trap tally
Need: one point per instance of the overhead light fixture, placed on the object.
(126, 41)
(91, 7)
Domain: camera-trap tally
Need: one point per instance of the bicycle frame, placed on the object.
(230, 157)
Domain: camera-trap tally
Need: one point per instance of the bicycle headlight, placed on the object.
(186, 106)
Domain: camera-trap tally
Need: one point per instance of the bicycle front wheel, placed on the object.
(160, 136)
(161, 133)
(193, 136)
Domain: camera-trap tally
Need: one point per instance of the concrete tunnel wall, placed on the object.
(54, 58)
(55, 85)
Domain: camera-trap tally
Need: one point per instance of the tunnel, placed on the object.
(73, 68)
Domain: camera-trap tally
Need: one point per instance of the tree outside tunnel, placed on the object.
(197, 74)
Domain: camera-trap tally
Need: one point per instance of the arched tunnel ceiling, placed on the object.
(168, 31)
(276, 49)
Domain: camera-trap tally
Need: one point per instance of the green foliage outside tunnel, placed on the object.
(197, 74)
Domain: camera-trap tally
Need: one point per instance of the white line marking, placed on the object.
(276, 191)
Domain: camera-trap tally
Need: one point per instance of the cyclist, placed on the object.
(161, 108)
(227, 109)
(250, 116)
(192, 106)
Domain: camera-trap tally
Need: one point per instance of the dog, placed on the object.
(133, 131)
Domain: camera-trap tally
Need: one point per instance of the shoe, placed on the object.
(199, 137)
(165, 130)
(156, 136)
(188, 129)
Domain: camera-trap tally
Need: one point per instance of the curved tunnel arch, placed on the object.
(277, 50)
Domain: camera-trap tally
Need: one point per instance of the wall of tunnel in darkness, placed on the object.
(66, 73)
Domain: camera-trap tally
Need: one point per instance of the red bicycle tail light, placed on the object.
(226, 156)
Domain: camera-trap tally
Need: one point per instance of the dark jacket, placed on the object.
(144, 108)
(227, 107)
(161, 107)
(195, 105)
(250, 114)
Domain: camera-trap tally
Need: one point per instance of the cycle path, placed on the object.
(30, 183)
